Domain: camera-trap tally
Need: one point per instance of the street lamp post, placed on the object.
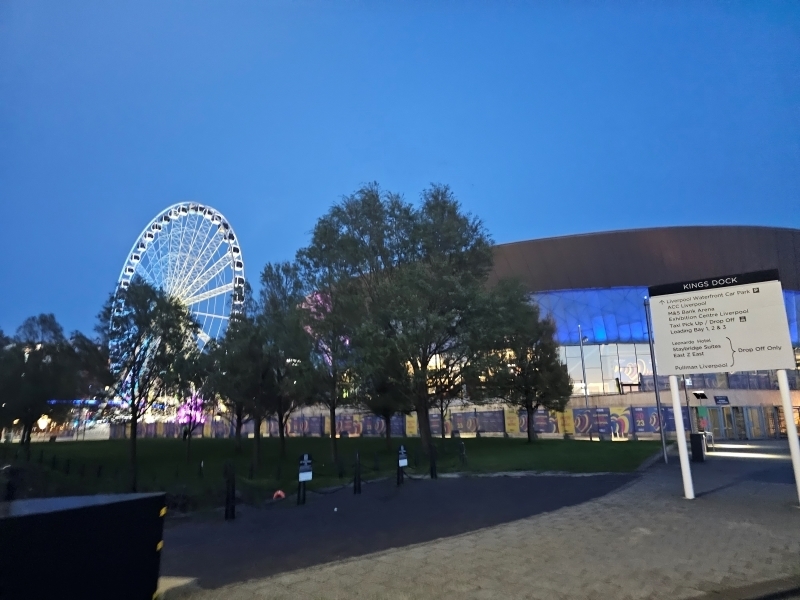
(585, 386)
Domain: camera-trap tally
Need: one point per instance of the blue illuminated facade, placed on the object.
(617, 315)
(617, 353)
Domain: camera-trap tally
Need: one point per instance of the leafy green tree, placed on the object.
(285, 343)
(434, 301)
(189, 379)
(38, 369)
(382, 380)
(241, 373)
(145, 331)
(533, 375)
(331, 313)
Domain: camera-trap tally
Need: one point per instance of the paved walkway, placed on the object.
(284, 537)
(643, 541)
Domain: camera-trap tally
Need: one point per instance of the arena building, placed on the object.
(599, 282)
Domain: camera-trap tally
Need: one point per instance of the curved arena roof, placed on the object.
(599, 280)
(645, 257)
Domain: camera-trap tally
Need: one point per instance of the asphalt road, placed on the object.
(284, 537)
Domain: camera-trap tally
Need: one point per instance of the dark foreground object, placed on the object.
(284, 537)
(82, 546)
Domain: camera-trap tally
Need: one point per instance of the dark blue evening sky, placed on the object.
(545, 118)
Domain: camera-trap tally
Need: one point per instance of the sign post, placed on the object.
(304, 474)
(721, 325)
(402, 462)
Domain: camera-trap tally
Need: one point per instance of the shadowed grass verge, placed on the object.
(73, 468)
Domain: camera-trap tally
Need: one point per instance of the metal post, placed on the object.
(791, 427)
(655, 381)
(683, 453)
(688, 409)
(585, 386)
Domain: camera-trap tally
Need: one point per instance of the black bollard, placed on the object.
(12, 483)
(462, 453)
(230, 492)
(200, 470)
(99, 471)
(251, 472)
(433, 461)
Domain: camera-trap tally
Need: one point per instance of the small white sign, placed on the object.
(722, 324)
(403, 462)
(305, 476)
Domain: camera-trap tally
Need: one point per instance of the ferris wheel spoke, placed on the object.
(175, 232)
(207, 276)
(209, 315)
(190, 254)
(200, 263)
(190, 248)
(223, 289)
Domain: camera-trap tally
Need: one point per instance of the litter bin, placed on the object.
(698, 443)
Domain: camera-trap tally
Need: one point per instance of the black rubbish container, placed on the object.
(698, 443)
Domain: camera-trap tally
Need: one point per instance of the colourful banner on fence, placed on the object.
(621, 420)
(412, 428)
(512, 423)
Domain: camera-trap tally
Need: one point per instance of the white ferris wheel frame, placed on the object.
(191, 294)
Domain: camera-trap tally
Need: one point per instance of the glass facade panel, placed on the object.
(614, 321)
(617, 315)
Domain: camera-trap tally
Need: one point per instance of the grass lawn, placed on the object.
(67, 468)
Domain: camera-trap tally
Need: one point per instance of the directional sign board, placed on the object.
(402, 457)
(721, 324)
(305, 468)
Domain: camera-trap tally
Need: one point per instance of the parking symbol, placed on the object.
(742, 319)
(755, 290)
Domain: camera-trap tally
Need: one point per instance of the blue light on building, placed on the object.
(617, 315)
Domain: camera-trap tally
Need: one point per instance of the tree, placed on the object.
(145, 331)
(189, 379)
(330, 316)
(434, 301)
(383, 385)
(534, 375)
(238, 373)
(37, 370)
(285, 342)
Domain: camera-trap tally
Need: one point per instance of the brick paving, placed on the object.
(642, 541)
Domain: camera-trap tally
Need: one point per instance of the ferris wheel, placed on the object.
(191, 252)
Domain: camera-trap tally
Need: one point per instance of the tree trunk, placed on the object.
(256, 441)
(238, 429)
(424, 426)
(134, 464)
(388, 420)
(334, 449)
(282, 432)
(529, 410)
(189, 445)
